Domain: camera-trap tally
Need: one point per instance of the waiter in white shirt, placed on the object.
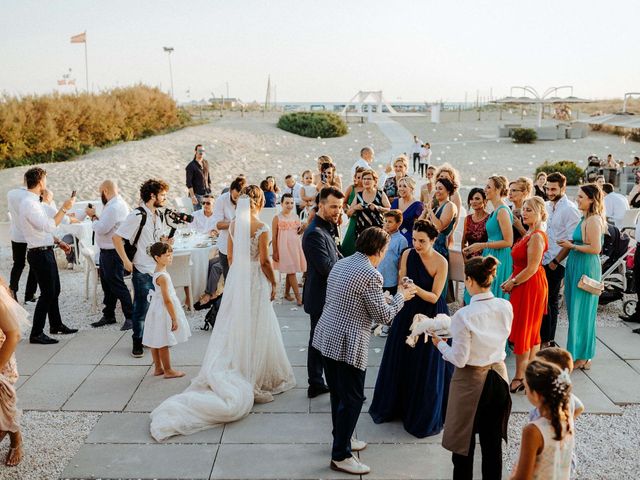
(203, 220)
(416, 146)
(38, 227)
(563, 218)
(224, 212)
(479, 400)
(19, 247)
(115, 211)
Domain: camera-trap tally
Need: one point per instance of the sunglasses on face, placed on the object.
(207, 203)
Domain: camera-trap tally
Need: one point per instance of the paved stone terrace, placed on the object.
(288, 438)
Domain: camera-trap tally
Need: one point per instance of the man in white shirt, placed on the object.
(416, 146)
(115, 211)
(615, 205)
(38, 227)
(204, 220)
(366, 161)
(143, 227)
(425, 158)
(294, 188)
(19, 248)
(563, 218)
(224, 212)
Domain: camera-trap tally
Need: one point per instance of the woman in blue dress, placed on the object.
(444, 218)
(410, 207)
(500, 233)
(413, 383)
(584, 259)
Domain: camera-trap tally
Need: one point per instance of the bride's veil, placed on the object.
(223, 390)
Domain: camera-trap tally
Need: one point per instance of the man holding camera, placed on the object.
(142, 228)
(115, 211)
(38, 226)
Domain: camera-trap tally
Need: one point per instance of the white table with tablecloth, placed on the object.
(201, 248)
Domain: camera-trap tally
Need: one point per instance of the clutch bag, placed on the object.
(590, 285)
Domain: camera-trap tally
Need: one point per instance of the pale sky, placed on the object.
(325, 50)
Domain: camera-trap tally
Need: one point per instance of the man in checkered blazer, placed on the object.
(353, 303)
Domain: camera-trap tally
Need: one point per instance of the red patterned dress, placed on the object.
(475, 232)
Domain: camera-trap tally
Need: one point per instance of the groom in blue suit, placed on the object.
(320, 246)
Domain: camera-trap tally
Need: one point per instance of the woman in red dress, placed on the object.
(528, 288)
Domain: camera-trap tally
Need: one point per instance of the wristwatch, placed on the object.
(554, 261)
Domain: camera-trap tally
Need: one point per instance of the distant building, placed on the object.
(232, 102)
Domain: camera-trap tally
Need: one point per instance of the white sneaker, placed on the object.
(357, 445)
(350, 465)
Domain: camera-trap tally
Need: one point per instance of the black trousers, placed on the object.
(346, 384)
(43, 262)
(416, 161)
(636, 279)
(488, 424)
(224, 261)
(19, 253)
(550, 320)
(314, 357)
(113, 286)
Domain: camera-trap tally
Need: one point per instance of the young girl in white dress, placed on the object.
(165, 324)
(547, 442)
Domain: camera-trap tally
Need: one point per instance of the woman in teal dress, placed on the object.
(348, 245)
(500, 233)
(584, 259)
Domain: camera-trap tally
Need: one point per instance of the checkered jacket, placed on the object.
(354, 301)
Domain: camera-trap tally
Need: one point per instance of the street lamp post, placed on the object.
(169, 50)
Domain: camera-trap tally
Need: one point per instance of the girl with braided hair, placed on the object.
(548, 442)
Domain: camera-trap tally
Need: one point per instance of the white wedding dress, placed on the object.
(245, 360)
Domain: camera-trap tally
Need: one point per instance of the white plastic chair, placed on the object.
(456, 268)
(91, 274)
(628, 222)
(180, 273)
(184, 204)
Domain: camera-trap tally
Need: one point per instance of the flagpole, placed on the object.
(86, 61)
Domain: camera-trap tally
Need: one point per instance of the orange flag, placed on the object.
(80, 38)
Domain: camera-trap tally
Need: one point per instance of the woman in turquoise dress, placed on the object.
(584, 259)
(500, 233)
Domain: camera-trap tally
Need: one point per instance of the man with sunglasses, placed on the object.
(203, 220)
(198, 178)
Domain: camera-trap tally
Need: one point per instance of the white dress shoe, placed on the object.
(357, 445)
(350, 465)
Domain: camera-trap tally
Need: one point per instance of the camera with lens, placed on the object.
(178, 217)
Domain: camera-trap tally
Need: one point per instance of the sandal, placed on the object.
(299, 300)
(586, 365)
(289, 297)
(520, 386)
(12, 451)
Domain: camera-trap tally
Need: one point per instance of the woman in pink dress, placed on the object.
(288, 257)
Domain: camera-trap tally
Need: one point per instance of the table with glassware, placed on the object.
(200, 247)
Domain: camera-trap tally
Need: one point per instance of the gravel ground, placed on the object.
(51, 439)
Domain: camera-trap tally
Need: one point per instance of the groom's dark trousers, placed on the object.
(346, 386)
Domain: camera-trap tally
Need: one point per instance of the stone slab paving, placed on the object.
(288, 438)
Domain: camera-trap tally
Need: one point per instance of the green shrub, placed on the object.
(49, 128)
(313, 124)
(566, 167)
(524, 135)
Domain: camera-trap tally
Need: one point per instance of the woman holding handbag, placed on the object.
(583, 273)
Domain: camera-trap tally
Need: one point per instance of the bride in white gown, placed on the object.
(245, 360)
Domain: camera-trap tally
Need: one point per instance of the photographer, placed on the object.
(143, 227)
(115, 211)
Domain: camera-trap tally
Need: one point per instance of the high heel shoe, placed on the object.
(299, 299)
(585, 366)
(520, 386)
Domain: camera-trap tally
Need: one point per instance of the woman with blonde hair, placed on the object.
(584, 260)
(400, 168)
(500, 233)
(369, 204)
(519, 190)
(426, 191)
(528, 288)
(410, 207)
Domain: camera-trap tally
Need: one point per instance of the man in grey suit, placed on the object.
(320, 247)
(354, 301)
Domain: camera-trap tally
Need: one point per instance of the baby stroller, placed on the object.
(617, 279)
